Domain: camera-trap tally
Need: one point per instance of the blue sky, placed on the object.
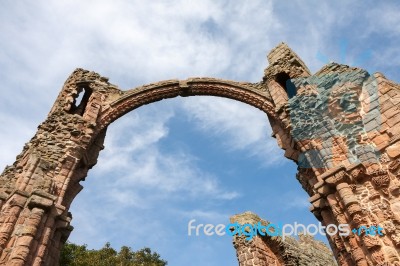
(200, 158)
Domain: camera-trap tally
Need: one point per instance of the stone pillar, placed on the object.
(35, 192)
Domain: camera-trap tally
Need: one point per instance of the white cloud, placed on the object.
(132, 42)
(239, 126)
(296, 202)
(13, 135)
(208, 216)
(134, 161)
(384, 18)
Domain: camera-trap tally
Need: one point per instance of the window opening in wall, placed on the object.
(81, 101)
(284, 80)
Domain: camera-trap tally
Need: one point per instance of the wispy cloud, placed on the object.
(296, 202)
(133, 164)
(238, 126)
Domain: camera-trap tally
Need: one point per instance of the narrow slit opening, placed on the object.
(81, 101)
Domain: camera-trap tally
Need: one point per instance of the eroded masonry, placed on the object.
(340, 125)
(274, 250)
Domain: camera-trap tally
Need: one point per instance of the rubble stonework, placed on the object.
(273, 250)
(341, 125)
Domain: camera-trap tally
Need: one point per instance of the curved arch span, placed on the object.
(244, 92)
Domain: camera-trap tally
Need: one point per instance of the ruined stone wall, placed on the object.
(34, 220)
(341, 125)
(344, 125)
(273, 250)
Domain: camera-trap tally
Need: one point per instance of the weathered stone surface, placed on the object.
(341, 126)
(273, 250)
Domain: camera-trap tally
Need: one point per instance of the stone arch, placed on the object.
(244, 92)
(118, 103)
(253, 94)
(347, 183)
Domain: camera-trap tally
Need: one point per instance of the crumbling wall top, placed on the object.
(283, 59)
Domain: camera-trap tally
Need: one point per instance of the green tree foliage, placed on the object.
(79, 255)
